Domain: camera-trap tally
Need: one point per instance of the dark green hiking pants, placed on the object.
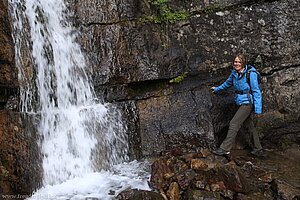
(243, 115)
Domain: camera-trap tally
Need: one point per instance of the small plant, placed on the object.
(179, 78)
(160, 2)
(166, 15)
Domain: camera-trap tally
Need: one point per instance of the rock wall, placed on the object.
(8, 73)
(19, 157)
(157, 61)
(19, 160)
(138, 50)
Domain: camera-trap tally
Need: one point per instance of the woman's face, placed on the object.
(238, 64)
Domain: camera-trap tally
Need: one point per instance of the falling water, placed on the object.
(79, 135)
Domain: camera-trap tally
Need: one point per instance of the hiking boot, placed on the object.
(257, 152)
(221, 152)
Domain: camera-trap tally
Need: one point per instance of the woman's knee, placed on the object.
(233, 125)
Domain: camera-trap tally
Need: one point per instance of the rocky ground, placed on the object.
(202, 175)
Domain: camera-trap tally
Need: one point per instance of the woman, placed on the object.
(248, 98)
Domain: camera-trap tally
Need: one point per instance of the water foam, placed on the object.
(80, 137)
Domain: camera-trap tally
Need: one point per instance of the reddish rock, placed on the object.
(135, 194)
(173, 192)
(185, 178)
(8, 72)
(160, 169)
(232, 177)
(18, 155)
(198, 164)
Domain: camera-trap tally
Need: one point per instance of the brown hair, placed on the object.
(242, 57)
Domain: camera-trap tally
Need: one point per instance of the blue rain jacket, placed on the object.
(243, 93)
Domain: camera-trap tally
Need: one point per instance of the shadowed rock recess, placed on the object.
(157, 60)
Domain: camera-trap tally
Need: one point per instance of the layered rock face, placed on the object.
(159, 59)
(19, 160)
(8, 73)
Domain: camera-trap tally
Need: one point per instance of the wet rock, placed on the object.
(135, 194)
(282, 190)
(200, 184)
(251, 179)
(177, 165)
(187, 158)
(185, 178)
(240, 196)
(232, 177)
(247, 168)
(173, 192)
(8, 70)
(159, 170)
(12, 103)
(18, 155)
(202, 195)
(176, 151)
(5, 187)
(227, 194)
(205, 152)
(219, 186)
(266, 178)
(198, 164)
(225, 179)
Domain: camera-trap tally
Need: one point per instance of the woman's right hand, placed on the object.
(213, 89)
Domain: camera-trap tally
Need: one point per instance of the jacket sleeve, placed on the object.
(227, 84)
(256, 93)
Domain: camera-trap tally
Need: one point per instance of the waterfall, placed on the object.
(79, 135)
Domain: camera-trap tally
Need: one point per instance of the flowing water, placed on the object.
(82, 140)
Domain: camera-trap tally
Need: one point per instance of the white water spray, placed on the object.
(78, 134)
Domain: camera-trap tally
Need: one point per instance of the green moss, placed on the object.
(173, 17)
(179, 78)
(166, 14)
(159, 2)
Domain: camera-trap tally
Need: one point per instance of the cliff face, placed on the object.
(158, 59)
(19, 161)
(137, 48)
(8, 73)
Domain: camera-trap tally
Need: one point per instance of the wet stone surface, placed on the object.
(240, 176)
